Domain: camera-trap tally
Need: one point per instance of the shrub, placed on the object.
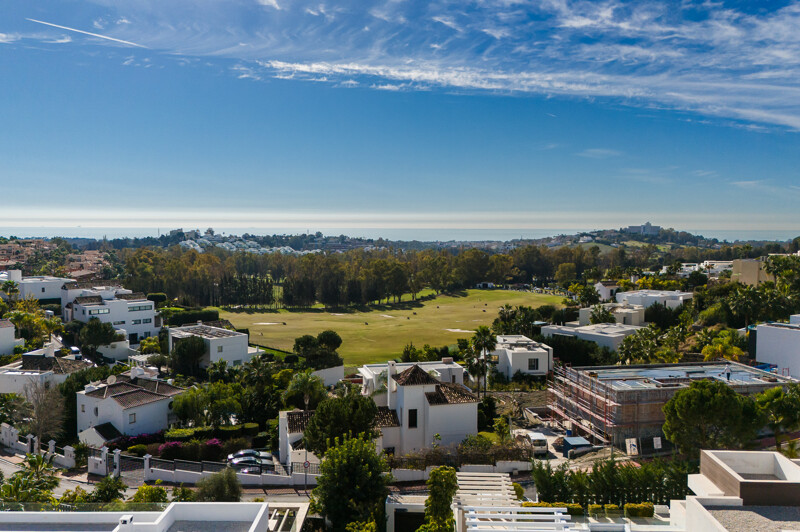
(519, 491)
(573, 509)
(146, 439)
(612, 510)
(192, 451)
(250, 429)
(229, 432)
(170, 450)
(183, 317)
(291, 359)
(596, 510)
(223, 486)
(236, 444)
(153, 449)
(203, 433)
(179, 435)
(212, 451)
(644, 509)
(260, 440)
(137, 450)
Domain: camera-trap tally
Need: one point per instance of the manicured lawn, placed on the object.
(381, 333)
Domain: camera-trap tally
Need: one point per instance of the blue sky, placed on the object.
(400, 114)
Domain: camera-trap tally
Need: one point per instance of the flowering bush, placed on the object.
(170, 450)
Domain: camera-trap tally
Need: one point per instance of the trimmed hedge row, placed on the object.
(573, 509)
(192, 316)
(225, 432)
(631, 509)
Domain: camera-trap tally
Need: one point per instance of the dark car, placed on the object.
(243, 454)
(245, 461)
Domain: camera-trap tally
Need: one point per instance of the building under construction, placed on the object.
(611, 404)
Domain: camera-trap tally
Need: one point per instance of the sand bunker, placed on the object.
(267, 323)
(458, 331)
(387, 316)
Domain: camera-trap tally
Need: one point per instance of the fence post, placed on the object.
(31, 438)
(69, 457)
(51, 447)
(117, 469)
(147, 458)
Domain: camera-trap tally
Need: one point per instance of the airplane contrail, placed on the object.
(86, 33)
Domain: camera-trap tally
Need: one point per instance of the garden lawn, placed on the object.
(380, 334)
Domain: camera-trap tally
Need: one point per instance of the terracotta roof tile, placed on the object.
(414, 376)
(298, 420)
(387, 417)
(137, 397)
(450, 394)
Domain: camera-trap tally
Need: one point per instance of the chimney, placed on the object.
(447, 360)
(15, 275)
(390, 384)
(50, 350)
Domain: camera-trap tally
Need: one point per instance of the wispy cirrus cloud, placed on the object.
(599, 153)
(718, 60)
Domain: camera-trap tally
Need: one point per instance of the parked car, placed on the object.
(245, 461)
(250, 470)
(244, 453)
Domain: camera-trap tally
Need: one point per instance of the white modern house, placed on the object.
(221, 344)
(132, 403)
(603, 334)
(412, 411)
(624, 314)
(374, 376)
(517, 353)
(38, 367)
(41, 287)
(129, 312)
(277, 516)
(779, 344)
(606, 289)
(647, 298)
(7, 340)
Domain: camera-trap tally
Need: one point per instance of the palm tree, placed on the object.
(52, 326)
(722, 347)
(10, 289)
(306, 384)
(483, 342)
(781, 410)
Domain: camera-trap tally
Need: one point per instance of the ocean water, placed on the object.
(428, 234)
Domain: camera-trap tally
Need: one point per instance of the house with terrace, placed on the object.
(132, 403)
(417, 407)
(221, 343)
(515, 353)
(130, 312)
(39, 366)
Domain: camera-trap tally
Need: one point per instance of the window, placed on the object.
(96, 311)
(147, 320)
(412, 418)
(95, 411)
(533, 364)
(83, 408)
(219, 349)
(43, 289)
(136, 322)
(135, 308)
(131, 418)
(119, 323)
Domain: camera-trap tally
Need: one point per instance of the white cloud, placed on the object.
(599, 153)
(269, 3)
(64, 39)
(8, 38)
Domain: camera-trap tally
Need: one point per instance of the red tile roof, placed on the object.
(414, 376)
(450, 394)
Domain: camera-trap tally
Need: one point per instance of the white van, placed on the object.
(539, 443)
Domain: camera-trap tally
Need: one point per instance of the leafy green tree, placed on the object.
(442, 486)
(502, 429)
(40, 470)
(601, 314)
(150, 345)
(337, 417)
(722, 347)
(223, 486)
(329, 340)
(186, 356)
(150, 494)
(710, 415)
(781, 410)
(352, 484)
(95, 334)
(487, 412)
(647, 346)
(306, 387)
(566, 273)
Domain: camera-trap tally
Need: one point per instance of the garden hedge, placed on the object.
(644, 509)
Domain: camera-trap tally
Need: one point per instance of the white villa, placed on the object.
(624, 313)
(779, 344)
(515, 352)
(132, 403)
(606, 289)
(40, 366)
(412, 410)
(41, 287)
(603, 334)
(221, 344)
(130, 312)
(7, 338)
(647, 298)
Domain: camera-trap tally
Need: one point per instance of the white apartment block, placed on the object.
(517, 353)
(608, 335)
(41, 287)
(7, 338)
(624, 314)
(647, 298)
(779, 344)
(133, 403)
(132, 313)
(221, 344)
